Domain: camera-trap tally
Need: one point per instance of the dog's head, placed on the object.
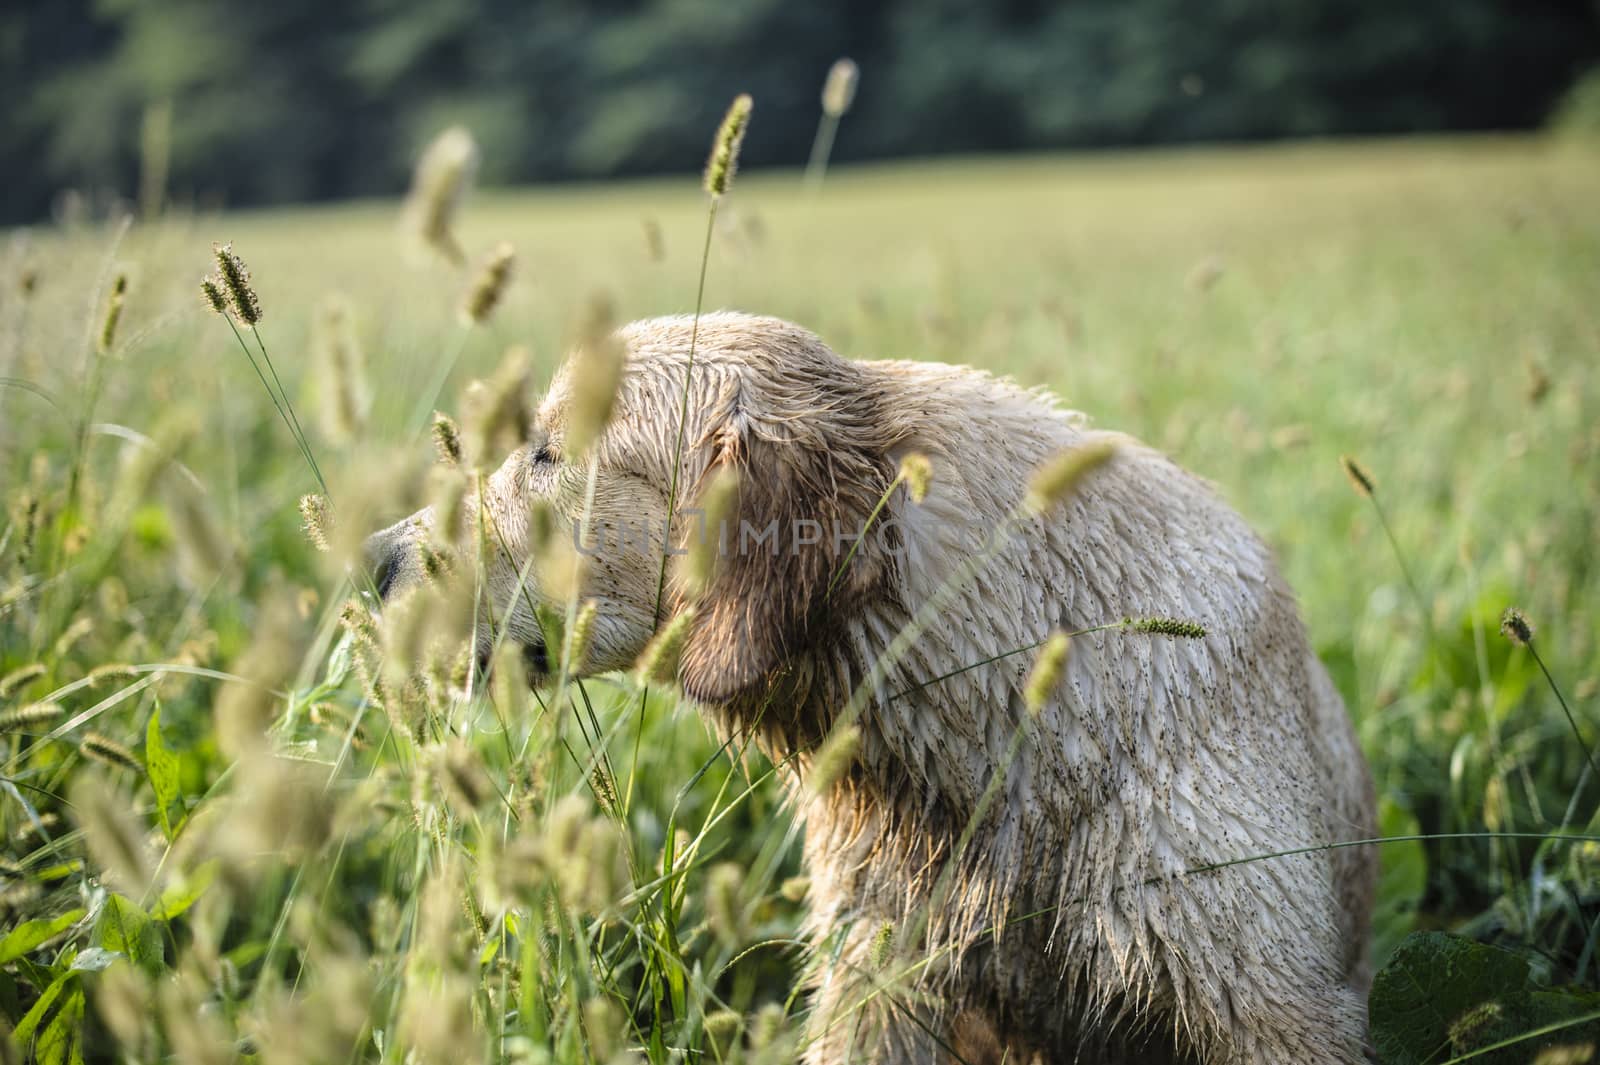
(810, 454)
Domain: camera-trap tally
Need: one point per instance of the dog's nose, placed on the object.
(384, 556)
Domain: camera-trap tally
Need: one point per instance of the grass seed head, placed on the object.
(406, 631)
(724, 907)
(717, 500)
(111, 671)
(437, 562)
(125, 1003)
(839, 91)
(282, 808)
(834, 758)
(605, 793)
(446, 438)
(724, 160)
(246, 708)
(1056, 481)
(1046, 673)
(22, 717)
(108, 325)
(115, 840)
(508, 682)
(346, 397)
(108, 751)
(197, 1035)
(462, 777)
(1538, 382)
(317, 518)
(917, 473)
(483, 295)
(1360, 479)
(722, 1028)
(582, 633)
(212, 295)
(20, 677)
(767, 1032)
(606, 1024)
(659, 662)
(1205, 274)
(444, 174)
(25, 514)
(1191, 630)
(447, 494)
(496, 411)
(81, 626)
(596, 374)
(882, 947)
(436, 1024)
(113, 596)
(654, 244)
(203, 547)
(1515, 626)
(358, 621)
(583, 854)
(235, 284)
(1466, 1029)
(561, 568)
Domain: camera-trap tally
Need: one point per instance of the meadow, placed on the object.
(275, 868)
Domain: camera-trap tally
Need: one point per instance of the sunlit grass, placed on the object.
(517, 876)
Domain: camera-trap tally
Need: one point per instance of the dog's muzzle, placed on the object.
(390, 562)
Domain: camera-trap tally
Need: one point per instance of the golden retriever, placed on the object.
(988, 881)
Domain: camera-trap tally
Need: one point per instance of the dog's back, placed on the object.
(1088, 902)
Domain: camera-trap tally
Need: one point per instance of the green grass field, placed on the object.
(368, 893)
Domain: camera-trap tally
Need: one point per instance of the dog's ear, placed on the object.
(806, 481)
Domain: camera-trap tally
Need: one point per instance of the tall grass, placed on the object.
(243, 817)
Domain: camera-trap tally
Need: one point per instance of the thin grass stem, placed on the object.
(276, 403)
(429, 398)
(1572, 721)
(821, 150)
(305, 443)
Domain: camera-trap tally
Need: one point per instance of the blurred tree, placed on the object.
(300, 100)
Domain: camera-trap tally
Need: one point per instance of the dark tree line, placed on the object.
(297, 100)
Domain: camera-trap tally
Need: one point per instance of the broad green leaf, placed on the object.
(59, 871)
(339, 662)
(30, 935)
(31, 973)
(125, 929)
(41, 1009)
(94, 960)
(246, 954)
(185, 892)
(61, 1042)
(1443, 996)
(162, 767)
(675, 983)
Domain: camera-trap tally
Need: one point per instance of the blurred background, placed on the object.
(232, 103)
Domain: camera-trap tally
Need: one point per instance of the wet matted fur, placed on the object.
(1070, 926)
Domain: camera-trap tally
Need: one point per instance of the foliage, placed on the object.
(1444, 996)
(319, 855)
(297, 100)
(1579, 112)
